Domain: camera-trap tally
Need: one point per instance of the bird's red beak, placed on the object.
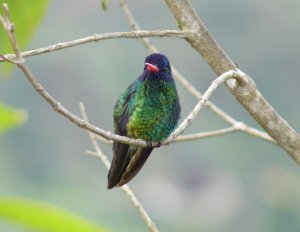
(151, 67)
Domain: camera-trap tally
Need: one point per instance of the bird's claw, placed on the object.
(153, 144)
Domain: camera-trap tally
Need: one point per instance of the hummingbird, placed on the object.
(148, 109)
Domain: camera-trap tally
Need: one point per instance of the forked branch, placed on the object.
(96, 38)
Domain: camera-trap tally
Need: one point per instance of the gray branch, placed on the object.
(96, 38)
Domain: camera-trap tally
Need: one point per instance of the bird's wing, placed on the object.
(123, 110)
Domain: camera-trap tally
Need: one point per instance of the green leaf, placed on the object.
(26, 16)
(44, 217)
(104, 4)
(11, 117)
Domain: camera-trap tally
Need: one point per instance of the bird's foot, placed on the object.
(153, 144)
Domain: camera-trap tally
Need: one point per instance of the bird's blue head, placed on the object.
(157, 66)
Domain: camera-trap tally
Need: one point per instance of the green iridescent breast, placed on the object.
(155, 110)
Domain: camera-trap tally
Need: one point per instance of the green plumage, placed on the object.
(148, 109)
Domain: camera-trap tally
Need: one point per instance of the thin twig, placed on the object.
(189, 87)
(92, 136)
(98, 37)
(241, 126)
(207, 134)
(188, 137)
(125, 188)
(8, 59)
(237, 127)
(103, 140)
(9, 27)
(200, 105)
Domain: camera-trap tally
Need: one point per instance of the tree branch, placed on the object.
(8, 59)
(98, 37)
(246, 93)
(207, 134)
(125, 188)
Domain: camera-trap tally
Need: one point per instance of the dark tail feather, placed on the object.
(126, 163)
(118, 163)
(136, 163)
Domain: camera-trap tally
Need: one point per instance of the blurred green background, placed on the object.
(230, 183)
